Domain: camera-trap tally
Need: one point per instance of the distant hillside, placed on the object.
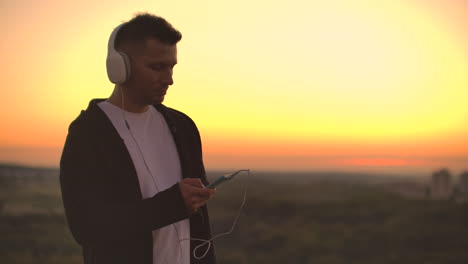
(324, 177)
(22, 171)
(17, 170)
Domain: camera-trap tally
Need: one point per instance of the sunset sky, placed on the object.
(347, 85)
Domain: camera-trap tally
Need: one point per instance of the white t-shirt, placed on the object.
(150, 141)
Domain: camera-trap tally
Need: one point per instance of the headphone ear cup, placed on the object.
(117, 67)
(128, 68)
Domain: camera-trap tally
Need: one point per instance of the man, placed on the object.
(131, 172)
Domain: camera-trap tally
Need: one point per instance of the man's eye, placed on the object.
(157, 67)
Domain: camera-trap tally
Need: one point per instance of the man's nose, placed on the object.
(168, 80)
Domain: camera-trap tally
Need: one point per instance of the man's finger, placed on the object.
(193, 182)
(199, 191)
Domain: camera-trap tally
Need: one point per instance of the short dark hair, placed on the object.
(144, 26)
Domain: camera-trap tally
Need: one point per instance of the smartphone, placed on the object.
(224, 178)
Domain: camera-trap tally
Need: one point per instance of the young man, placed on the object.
(131, 171)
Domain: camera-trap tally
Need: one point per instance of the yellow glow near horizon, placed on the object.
(305, 76)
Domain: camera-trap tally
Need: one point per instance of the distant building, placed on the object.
(463, 187)
(441, 187)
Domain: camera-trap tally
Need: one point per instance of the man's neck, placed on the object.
(121, 100)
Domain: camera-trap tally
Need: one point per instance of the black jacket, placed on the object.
(101, 194)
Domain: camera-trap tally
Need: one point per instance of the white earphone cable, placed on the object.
(206, 242)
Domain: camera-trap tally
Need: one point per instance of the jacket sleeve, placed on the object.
(193, 142)
(95, 213)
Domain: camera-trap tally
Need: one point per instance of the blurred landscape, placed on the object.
(316, 217)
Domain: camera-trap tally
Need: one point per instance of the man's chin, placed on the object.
(158, 99)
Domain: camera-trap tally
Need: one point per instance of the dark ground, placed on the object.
(320, 218)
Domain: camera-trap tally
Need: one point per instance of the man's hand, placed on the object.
(194, 193)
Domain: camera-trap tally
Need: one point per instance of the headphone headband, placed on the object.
(111, 44)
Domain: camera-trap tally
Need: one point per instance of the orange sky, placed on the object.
(288, 85)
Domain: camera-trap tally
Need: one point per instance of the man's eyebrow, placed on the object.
(161, 63)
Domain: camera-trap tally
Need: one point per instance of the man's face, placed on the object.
(151, 71)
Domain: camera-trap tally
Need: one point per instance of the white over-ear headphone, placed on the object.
(117, 63)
